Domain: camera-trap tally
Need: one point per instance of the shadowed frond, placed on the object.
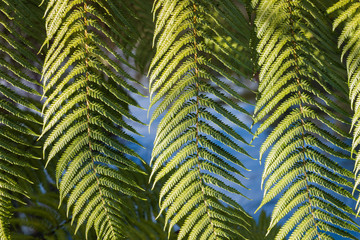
(43, 219)
(259, 229)
(145, 25)
(86, 119)
(301, 92)
(192, 143)
(348, 17)
(20, 121)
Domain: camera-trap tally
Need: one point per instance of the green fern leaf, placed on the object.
(295, 46)
(20, 121)
(188, 149)
(85, 82)
(348, 13)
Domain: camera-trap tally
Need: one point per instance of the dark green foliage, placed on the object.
(259, 230)
(348, 13)
(143, 222)
(20, 122)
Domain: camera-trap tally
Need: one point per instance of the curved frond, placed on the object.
(301, 93)
(86, 114)
(192, 82)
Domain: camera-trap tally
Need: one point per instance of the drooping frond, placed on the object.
(301, 92)
(20, 121)
(86, 119)
(190, 83)
(349, 41)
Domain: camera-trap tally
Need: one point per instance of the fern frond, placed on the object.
(348, 13)
(86, 82)
(298, 95)
(186, 83)
(259, 229)
(20, 121)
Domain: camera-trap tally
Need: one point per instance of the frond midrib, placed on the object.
(88, 121)
(294, 47)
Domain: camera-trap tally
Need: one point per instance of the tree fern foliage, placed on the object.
(86, 118)
(20, 122)
(192, 143)
(300, 91)
(347, 16)
(69, 161)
